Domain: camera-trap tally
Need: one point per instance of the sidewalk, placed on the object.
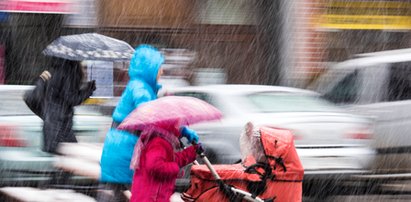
(83, 159)
(29, 194)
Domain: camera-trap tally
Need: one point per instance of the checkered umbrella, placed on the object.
(89, 46)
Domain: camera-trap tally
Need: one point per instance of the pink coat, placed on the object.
(159, 167)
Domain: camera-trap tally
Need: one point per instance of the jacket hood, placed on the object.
(145, 63)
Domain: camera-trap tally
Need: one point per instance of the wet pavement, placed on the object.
(364, 198)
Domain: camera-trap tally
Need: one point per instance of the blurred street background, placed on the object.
(356, 54)
(253, 42)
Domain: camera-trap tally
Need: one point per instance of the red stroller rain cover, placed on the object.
(279, 177)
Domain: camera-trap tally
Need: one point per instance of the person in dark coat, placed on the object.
(63, 92)
(34, 98)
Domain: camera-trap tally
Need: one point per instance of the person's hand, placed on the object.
(199, 148)
(92, 85)
(189, 134)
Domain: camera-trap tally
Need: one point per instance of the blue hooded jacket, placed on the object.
(142, 87)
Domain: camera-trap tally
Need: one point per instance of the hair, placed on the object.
(66, 78)
(67, 74)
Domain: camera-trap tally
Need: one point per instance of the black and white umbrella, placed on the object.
(90, 46)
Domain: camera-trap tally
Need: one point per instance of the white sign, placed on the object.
(102, 73)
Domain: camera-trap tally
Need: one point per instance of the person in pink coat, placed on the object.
(157, 164)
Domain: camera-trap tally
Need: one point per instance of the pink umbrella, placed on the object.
(168, 112)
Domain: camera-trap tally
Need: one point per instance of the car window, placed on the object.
(399, 86)
(345, 91)
(225, 105)
(289, 102)
(201, 96)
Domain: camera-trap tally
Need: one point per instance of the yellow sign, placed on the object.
(94, 101)
(365, 22)
(381, 15)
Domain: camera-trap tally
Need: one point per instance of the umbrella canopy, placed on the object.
(170, 111)
(89, 46)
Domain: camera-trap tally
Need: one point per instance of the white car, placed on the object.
(21, 157)
(328, 140)
(377, 85)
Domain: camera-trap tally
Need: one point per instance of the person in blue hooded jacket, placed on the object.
(144, 72)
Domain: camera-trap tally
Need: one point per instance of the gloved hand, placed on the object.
(190, 134)
(90, 87)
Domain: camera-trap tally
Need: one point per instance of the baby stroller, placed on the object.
(270, 171)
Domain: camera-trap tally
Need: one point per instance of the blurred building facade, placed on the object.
(224, 34)
(29, 26)
(251, 41)
(324, 32)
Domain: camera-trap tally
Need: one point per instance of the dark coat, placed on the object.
(34, 98)
(63, 92)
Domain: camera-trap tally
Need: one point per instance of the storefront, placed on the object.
(238, 36)
(365, 26)
(29, 27)
(224, 34)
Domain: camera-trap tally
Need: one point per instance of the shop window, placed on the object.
(227, 12)
(399, 87)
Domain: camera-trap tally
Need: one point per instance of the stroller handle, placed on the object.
(203, 157)
(229, 191)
